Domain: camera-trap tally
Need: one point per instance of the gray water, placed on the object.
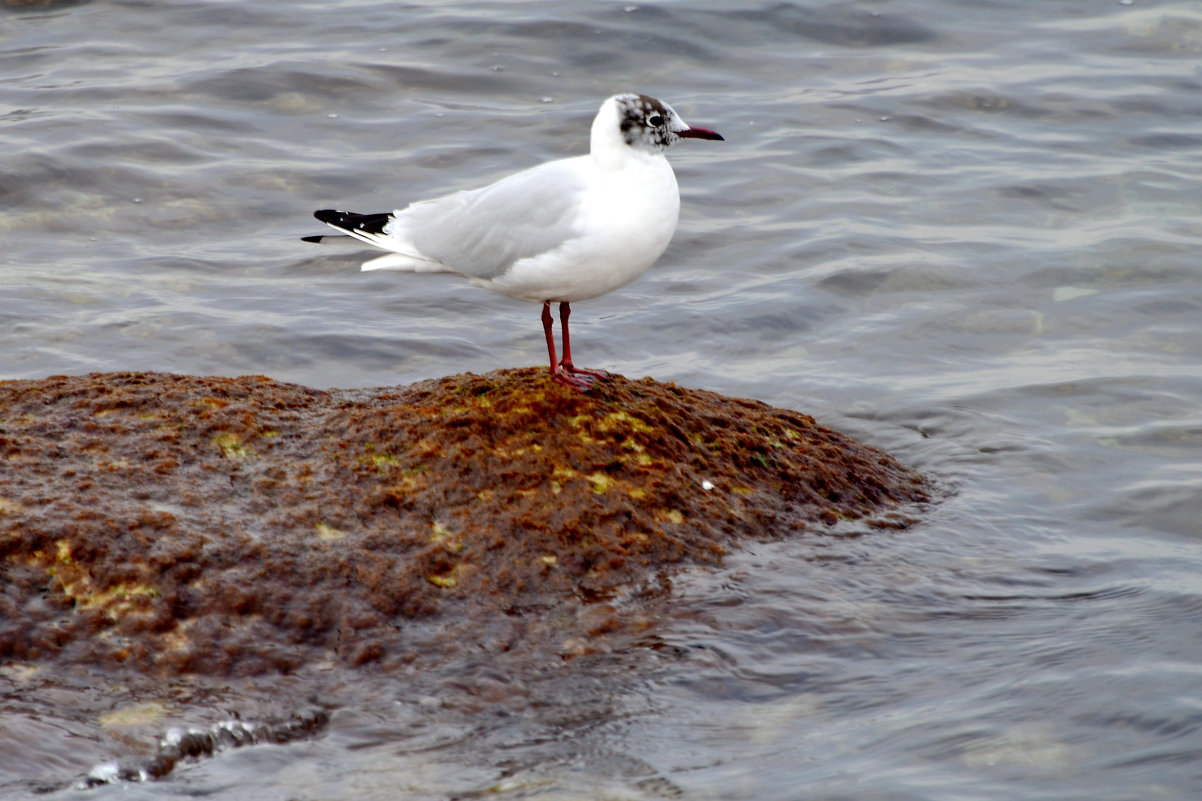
(965, 232)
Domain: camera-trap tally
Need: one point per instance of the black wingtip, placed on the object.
(314, 239)
(349, 220)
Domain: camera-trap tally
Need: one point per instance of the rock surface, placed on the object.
(182, 524)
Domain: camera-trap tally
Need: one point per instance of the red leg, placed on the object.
(547, 321)
(566, 363)
(558, 375)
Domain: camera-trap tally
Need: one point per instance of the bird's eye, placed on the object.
(655, 120)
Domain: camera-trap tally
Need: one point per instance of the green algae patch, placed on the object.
(134, 715)
(242, 525)
(327, 532)
(232, 446)
(600, 481)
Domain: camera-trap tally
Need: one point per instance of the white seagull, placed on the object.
(563, 231)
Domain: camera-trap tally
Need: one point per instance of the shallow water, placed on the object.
(966, 233)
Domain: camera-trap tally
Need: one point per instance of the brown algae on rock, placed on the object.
(193, 524)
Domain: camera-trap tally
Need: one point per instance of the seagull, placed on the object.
(562, 231)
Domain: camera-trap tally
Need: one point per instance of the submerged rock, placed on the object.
(216, 525)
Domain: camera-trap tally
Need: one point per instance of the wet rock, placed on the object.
(180, 746)
(217, 525)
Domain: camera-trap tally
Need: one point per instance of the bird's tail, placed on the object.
(369, 228)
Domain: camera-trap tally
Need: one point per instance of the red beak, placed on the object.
(700, 133)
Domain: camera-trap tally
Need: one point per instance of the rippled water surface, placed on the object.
(968, 233)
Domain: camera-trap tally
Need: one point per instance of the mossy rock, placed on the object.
(191, 524)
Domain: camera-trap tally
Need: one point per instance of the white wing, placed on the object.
(481, 232)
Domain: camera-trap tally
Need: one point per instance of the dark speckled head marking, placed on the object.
(647, 123)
